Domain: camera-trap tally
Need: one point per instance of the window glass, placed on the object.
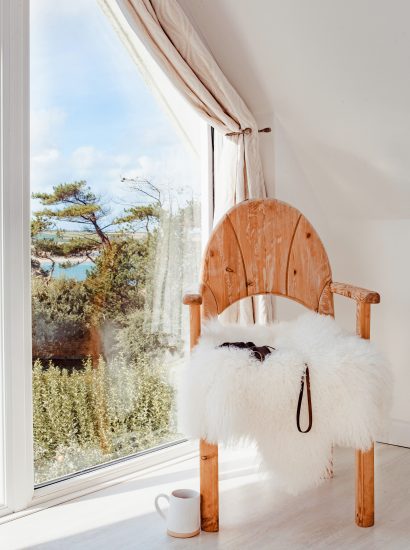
(115, 242)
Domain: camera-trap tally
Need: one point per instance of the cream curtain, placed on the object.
(174, 44)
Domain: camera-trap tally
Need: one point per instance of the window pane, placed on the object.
(115, 241)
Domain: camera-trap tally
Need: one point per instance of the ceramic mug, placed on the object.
(183, 515)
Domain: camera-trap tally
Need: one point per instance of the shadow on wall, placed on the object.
(350, 186)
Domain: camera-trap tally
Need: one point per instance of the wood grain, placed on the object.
(364, 460)
(309, 270)
(190, 299)
(209, 305)
(194, 324)
(363, 320)
(209, 486)
(223, 268)
(356, 293)
(326, 304)
(266, 247)
(365, 488)
(264, 230)
(208, 453)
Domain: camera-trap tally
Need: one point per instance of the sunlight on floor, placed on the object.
(253, 513)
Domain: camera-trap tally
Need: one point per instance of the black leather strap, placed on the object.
(258, 352)
(306, 378)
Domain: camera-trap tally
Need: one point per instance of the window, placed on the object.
(116, 239)
(116, 216)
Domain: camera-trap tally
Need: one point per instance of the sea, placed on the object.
(78, 272)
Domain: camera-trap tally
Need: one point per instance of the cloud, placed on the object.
(86, 158)
(46, 156)
(46, 126)
(171, 169)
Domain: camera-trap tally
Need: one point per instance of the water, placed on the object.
(77, 272)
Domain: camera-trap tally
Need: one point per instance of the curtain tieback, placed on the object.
(247, 131)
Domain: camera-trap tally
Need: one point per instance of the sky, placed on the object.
(92, 116)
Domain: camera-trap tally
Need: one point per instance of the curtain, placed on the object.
(175, 46)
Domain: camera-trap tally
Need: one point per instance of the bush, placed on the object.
(134, 339)
(117, 282)
(98, 414)
(60, 309)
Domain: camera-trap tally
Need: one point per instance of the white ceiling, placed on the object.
(336, 74)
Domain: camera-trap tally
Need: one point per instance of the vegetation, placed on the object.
(60, 310)
(121, 401)
(97, 414)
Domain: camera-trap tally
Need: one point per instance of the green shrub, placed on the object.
(134, 339)
(117, 281)
(101, 413)
(60, 309)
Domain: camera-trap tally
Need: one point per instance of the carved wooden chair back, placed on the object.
(265, 247)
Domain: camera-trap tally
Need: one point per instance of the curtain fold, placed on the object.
(176, 47)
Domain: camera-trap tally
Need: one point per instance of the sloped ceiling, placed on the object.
(336, 75)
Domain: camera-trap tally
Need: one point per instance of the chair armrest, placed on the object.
(192, 299)
(356, 293)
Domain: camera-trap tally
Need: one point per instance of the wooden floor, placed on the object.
(254, 515)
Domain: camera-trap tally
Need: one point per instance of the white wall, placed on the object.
(333, 81)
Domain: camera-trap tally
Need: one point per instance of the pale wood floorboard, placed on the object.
(254, 514)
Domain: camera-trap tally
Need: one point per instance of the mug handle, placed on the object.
(160, 512)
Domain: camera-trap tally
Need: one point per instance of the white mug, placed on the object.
(183, 515)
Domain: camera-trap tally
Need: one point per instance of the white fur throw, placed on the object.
(226, 395)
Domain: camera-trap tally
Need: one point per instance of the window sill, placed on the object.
(106, 476)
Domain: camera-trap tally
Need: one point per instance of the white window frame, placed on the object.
(15, 318)
(17, 493)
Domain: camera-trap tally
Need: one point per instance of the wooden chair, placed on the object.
(269, 247)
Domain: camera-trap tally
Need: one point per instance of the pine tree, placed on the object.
(71, 203)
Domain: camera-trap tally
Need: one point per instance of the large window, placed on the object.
(115, 240)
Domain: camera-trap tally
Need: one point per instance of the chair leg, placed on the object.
(365, 488)
(209, 486)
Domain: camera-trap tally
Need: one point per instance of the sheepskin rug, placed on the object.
(227, 396)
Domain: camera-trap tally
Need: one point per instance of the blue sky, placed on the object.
(92, 115)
